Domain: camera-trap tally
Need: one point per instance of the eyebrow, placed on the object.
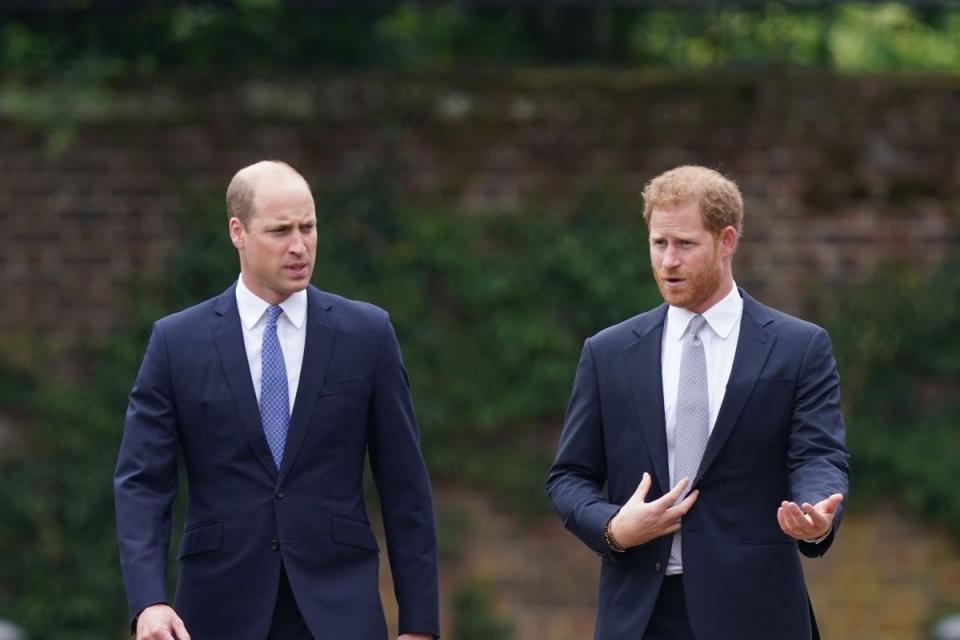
(288, 224)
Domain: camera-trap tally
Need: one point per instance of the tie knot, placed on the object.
(696, 324)
(273, 312)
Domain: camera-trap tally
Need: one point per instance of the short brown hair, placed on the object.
(241, 191)
(721, 204)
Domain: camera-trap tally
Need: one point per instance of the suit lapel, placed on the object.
(643, 364)
(321, 335)
(753, 348)
(228, 338)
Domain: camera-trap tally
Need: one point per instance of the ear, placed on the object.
(237, 232)
(728, 241)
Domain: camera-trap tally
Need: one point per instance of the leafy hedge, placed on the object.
(899, 354)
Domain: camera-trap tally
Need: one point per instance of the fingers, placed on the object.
(640, 521)
(671, 529)
(784, 525)
(794, 522)
(160, 622)
(670, 505)
(809, 521)
(166, 633)
(673, 514)
(819, 521)
(640, 494)
(687, 502)
(670, 497)
(180, 629)
(793, 513)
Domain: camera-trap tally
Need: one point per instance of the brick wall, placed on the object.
(840, 173)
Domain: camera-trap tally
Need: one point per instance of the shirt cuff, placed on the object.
(821, 538)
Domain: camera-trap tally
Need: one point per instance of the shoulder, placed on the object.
(190, 318)
(800, 338)
(777, 321)
(349, 313)
(629, 330)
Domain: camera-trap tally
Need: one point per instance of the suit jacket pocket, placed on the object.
(334, 387)
(204, 537)
(353, 533)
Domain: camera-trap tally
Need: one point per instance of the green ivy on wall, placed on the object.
(899, 355)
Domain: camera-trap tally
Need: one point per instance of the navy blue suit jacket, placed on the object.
(194, 394)
(779, 435)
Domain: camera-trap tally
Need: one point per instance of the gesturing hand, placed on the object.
(160, 622)
(809, 521)
(639, 521)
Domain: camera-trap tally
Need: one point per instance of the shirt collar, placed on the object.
(251, 307)
(721, 317)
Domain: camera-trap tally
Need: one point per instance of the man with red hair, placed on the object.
(703, 445)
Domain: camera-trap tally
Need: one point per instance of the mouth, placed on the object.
(672, 282)
(298, 270)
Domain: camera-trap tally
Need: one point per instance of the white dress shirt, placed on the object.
(291, 331)
(719, 336)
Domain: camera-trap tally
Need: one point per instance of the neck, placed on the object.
(726, 285)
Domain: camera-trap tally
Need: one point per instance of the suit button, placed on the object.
(274, 544)
(658, 567)
(280, 494)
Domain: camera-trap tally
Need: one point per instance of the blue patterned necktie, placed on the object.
(274, 393)
(692, 428)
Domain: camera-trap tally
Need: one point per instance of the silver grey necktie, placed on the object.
(693, 414)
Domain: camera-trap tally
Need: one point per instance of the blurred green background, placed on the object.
(492, 289)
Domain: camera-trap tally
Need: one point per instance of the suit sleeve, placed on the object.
(402, 482)
(817, 458)
(579, 472)
(145, 480)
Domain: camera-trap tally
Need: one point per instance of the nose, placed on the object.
(670, 259)
(297, 245)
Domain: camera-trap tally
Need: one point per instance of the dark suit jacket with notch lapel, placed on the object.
(194, 392)
(779, 435)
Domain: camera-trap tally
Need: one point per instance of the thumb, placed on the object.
(830, 504)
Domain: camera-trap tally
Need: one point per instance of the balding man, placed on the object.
(274, 392)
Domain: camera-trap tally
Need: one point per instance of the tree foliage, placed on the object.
(265, 36)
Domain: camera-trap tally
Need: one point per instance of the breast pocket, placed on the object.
(340, 415)
(344, 385)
